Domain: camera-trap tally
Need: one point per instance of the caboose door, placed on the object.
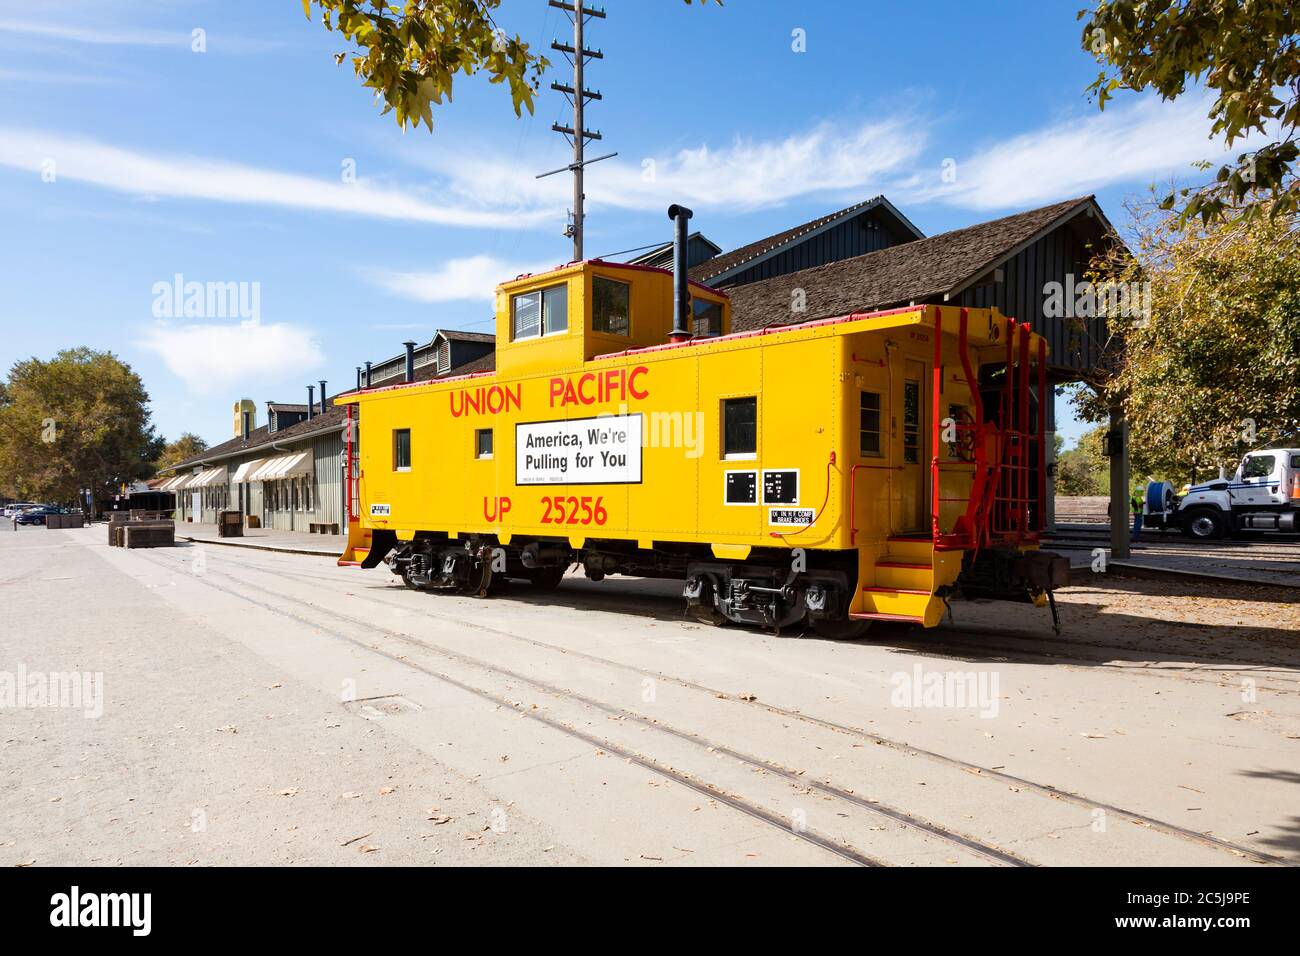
(911, 515)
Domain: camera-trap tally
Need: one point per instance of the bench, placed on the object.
(321, 527)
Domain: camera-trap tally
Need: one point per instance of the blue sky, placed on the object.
(228, 165)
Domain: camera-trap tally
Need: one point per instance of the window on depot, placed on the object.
(541, 312)
(402, 449)
(610, 306)
(740, 427)
(707, 317)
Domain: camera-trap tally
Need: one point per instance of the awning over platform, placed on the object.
(286, 466)
(207, 478)
(243, 474)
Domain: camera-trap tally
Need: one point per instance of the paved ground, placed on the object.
(263, 538)
(261, 707)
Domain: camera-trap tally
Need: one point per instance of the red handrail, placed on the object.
(937, 376)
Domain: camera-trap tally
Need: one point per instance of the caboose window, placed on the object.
(739, 427)
(401, 449)
(483, 443)
(911, 422)
(869, 423)
(708, 317)
(542, 312)
(609, 306)
(526, 312)
(555, 309)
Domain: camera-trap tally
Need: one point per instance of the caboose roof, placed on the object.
(532, 278)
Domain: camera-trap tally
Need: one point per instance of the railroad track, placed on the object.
(969, 643)
(751, 808)
(827, 789)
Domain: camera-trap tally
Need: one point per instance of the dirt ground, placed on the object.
(263, 708)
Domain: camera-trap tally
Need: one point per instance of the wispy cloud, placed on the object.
(96, 36)
(174, 39)
(456, 280)
(190, 177)
(745, 175)
(45, 77)
(209, 357)
(1144, 142)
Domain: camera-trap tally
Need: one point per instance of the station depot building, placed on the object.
(289, 472)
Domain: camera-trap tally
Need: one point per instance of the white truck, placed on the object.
(1262, 495)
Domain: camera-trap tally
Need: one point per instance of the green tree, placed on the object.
(1214, 370)
(80, 420)
(182, 449)
(1245, 51)
(409, 51)
(1084, 470)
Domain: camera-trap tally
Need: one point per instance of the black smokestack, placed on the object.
(410, 361)
(311, 400)
(367, 375)
(323, 406)
(681, 332)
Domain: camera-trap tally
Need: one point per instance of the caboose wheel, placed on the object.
(840, 629)
(708, 615)
(547, 579)
(406, 579)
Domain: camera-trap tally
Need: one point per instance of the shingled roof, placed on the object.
(331, 420)
(918, 271)
(458, 335)
(712, 268)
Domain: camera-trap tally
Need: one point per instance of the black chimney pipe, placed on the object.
(323, 406)
(358, 378)
(245, 427)
(311, 400)
(410, 361)
(681, 332)
(367, 375)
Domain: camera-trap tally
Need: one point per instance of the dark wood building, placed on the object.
(1011, 263)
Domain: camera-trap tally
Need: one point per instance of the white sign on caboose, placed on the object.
(605, 450)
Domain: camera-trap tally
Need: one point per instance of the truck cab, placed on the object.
(1262, 495)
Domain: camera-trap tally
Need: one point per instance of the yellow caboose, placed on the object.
(838, 472)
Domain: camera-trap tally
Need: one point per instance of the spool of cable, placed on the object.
(1160, 498)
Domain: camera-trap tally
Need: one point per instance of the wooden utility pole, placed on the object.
(578, 95)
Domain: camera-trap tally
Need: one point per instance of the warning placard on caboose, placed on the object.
(605, 450)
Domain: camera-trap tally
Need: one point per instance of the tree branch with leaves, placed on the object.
(410, 52)
(1246, 52)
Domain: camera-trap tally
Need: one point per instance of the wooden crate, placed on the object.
(150, 534)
